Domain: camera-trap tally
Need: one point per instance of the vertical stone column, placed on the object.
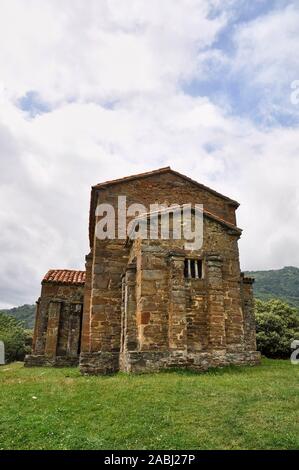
(85, 335)
(152, 292)
(130, 324)
(177, 304)
(128, 317)
(41, 325)
(103, 319)
(216, 314)
(74, 330)
(52, 329)
(36, 325)
(248, 313)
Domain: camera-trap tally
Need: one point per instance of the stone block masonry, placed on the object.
(148, 304)
(58, 321)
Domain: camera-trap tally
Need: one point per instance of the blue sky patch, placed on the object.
(32, 104)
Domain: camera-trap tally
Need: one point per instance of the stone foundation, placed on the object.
(34, 360)
(153, 361)
(99, 363)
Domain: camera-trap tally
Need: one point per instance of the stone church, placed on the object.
(146, 304)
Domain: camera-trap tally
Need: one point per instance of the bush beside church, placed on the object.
(16, 339)
(277, 325)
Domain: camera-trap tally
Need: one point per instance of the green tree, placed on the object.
(277, 325)
(15, 338)
(24, 313)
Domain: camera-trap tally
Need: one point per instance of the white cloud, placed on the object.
(267, 57)
(101, 49)
(112, 77)
(268, 46)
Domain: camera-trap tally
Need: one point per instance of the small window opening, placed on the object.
(193, 268)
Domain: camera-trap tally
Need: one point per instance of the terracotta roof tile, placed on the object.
(65, 276)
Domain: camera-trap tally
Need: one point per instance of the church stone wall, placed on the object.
(57, 333)
(140, 312)
(149, 316)
(102, 314)
(194, 323)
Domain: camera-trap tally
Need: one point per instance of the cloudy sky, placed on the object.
(97, 89)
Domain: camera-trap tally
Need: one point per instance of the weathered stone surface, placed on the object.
(166, 312)
(140, 311)
(46, 361)
(57, 333)
(99, 363)
(151, 361)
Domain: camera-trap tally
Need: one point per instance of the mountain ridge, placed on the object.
(277, 283)
(273, 283)
(24, 313)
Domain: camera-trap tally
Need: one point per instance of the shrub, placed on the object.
(277, 325)
(15, 338)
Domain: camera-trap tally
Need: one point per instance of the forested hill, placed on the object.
(24, 313)
(280, 283)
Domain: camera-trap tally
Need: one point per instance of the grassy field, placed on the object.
(233, 408)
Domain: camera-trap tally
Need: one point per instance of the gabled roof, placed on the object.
(159, 171)
(147, 174)
(222, 222)
(65, 276)
(233, 228)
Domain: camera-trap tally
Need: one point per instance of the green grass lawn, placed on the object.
(232, 408)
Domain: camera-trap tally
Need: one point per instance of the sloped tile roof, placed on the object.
(65, 276)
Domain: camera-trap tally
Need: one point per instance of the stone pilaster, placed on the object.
(85, 335)
(36, 325)
(73, 344)
(52, 329)
(248, 313)
(129, 325)
(41, 324)
(177, 304)
(129, 339)
(216, 314)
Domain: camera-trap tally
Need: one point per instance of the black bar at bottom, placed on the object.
(138, 458)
